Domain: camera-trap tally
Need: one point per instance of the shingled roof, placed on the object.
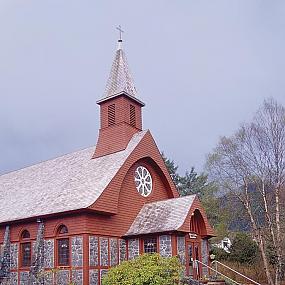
(120, 81)
(162, 216)
(70, 182)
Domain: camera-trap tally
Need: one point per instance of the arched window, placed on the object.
(25, 234)
(25, 249)
(63, 247)
(62, 230)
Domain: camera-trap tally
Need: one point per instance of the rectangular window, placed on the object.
(111, 115)
(26, 254)
(150, 245)
(63, 252)
(132, 115)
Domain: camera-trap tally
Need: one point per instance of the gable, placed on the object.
(146, 152)
(206, 228)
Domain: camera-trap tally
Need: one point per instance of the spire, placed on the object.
(120, 80)
(120, 109)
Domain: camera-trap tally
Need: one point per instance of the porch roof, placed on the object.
(162, 216)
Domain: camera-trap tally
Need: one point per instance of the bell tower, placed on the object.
(120, 108)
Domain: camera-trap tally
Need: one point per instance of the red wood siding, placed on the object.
(116, 137)
(206, 229)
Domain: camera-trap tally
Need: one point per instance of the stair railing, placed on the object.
(216, 271)
(238, 273)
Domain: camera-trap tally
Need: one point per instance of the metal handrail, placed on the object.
(240, 274)
(216, 271)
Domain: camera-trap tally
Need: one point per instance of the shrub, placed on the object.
(220, 254)
(243, 249)
(147, 269)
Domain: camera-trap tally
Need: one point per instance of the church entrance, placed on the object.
(193, 254)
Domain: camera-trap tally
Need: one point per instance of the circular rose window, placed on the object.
(143, 181)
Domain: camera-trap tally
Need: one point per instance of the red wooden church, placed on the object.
(73, 217)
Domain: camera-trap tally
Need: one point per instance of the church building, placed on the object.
(71, 218)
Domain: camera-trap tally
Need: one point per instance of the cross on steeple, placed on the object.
(121, 33)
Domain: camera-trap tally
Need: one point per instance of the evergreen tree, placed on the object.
(194, 183)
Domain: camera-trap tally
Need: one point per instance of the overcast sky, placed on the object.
(201, 67)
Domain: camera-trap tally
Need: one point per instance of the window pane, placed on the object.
(25, 234)
(26, 254)
(150, 245)
(63, 230)
(63, 252)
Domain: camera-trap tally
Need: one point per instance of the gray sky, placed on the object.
(202, 67)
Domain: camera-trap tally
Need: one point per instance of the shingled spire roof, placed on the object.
(120, 80)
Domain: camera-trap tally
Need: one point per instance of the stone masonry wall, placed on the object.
(37, 265)
(77, 277)
(205, 256)
(165, 247)
(62, 277)
(49, 253)
(5, 256)
(133, 248)
(122, 250)
(181, 251)
(104, 251)
(14, 253)
(114, 251)
(93, 251)
(77, 251)
(93, 277)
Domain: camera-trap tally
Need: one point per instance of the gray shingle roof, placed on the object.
(120, 79)
(70, 182)
(162, 216)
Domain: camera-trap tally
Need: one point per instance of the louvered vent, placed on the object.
(132, 115)
(111, 115)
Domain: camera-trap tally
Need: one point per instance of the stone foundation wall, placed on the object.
(62, 277)
(24, 278)
(94, 277)
(77, 277)
(104, 252)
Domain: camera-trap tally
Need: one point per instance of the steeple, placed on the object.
(120, 79)
(120, 109)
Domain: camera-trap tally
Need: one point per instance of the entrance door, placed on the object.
(193, 254)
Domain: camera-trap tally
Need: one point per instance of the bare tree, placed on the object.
(251, 164)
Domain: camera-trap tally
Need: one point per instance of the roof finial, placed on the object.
(120, 40)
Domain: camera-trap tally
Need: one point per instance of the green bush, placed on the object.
(243, 249)
(220, 254)
(147, 269)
